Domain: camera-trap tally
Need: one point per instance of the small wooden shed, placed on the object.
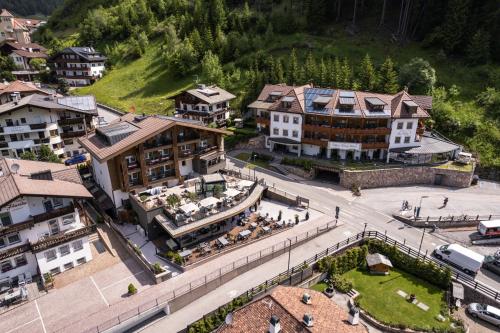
(378, 263)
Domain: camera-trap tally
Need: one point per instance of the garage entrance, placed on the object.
(326, 174)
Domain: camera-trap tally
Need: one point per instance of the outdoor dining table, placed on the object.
(186, 253)
(266, 229)
(253, 225)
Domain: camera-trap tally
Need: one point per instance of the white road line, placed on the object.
(116, 282)
(20, 326)
(99, 290)
(40, 317)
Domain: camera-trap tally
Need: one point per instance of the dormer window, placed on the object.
(286, 102)
(274, 95)
(410, 106)
(375, 104)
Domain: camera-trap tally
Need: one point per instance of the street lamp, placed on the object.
(421, 240)
(364, 229)
(289, 254)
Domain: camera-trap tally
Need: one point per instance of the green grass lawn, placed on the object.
(379, 298)
(251, 164)
(145, 84)
(320, 286)
(456, 166)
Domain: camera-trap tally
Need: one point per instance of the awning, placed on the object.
(208, 202)
(284, 141)
(429, 145)
(189, 208)
(231, 192)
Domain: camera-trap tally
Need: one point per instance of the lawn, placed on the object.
(456, 166)
(320, 286)
(246, 157)
(379, 298)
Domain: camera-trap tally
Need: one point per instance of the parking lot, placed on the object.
(61, 307)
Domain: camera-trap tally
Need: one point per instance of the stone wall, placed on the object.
(410, 175)
(298, 171)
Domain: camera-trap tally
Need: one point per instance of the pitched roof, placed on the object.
(5, 12)
(28, 54)
(88, 53)
(45, 102)
(138, 129)
(16, 180)
(20, 86)
(28, 22)
(209, 94)
(26, 46)
(377, 258)
(286, 304)
(424, 101)
(296, 98)
(398, 110)
(269, 88)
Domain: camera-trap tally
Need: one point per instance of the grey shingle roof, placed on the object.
(377, 258)
(47, 102)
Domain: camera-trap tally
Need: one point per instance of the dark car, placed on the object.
(75, 160)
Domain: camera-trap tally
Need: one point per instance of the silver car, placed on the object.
(485, 312)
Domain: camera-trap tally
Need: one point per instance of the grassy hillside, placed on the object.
(144, 83)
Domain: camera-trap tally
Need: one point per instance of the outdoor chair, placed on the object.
(20, 280)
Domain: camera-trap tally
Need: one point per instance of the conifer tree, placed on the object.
(310, 68)
(322, 77)
(197, 43)
(367, 76)
(293, 69)
(209, 39)
(388, 80)
(279, 74)
(337, 71)
(346, 75)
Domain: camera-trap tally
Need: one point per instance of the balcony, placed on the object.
(362, 131)
(206, 169)
(161, 175)
(375, 145)
(325, 129)
(157, 145)
(38, 126)
(74, 134)
(131, 166)
(41, 141)
(187, 139)
(316, 142)
(70, 121)
(15, 251)
(54, 213)
(4, 145)
(186, 153)
(55, 240)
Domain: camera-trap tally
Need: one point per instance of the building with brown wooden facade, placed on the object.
(137, 152)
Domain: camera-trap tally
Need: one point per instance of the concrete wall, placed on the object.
(405, 176)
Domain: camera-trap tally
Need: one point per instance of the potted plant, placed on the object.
(132, 290)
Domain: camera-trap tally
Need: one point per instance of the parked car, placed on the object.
(492, 263)
(75, 160)
(463, 258)
(485, 312)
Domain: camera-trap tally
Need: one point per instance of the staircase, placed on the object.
(278, 168)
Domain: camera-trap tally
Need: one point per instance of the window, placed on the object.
(276, 117)
(53, 133)
(68, 219)
(285, 132)
(64, 250)
(69, 265)
(26, 135)
(77, 245)
(407, 139)
(2, 242)
(295, 120)
(50, 255)
(183, 163)
(6, 266)
(21, 261)
(53, 227)
(400, 125)
(5, 219)
(397, 139)
(57, 202)
(286, 119)
(55, 271)
(81, 261)
(276, 131)
(14, 238)
(409, 125)
(295, 134)
(23, 120)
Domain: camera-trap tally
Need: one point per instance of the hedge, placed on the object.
(338, 265)
(299, 162)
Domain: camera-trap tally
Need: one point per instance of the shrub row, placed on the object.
(212, 321)
(299, 162)
(351, 259)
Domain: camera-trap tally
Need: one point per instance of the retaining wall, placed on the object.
(405, 176)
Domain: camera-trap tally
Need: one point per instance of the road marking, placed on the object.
(99, 290)
(125, 278)
(21, 326)
(40, 317)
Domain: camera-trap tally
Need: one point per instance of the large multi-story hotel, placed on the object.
(79, 66)
(140, 151)
(340, 124)
(29, 122)
(43, 228)
(17, 29)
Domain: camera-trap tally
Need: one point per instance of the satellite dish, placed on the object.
(229, 319)
(15, 167)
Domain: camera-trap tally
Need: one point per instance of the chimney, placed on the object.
(308, 320)
(15, 97)
(274, 324)
(306, 298)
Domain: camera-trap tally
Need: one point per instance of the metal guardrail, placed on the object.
(459, 218)
(163, 300)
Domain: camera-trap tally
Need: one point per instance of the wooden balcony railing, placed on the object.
(75, 134)
(52, 241)
(375, 145)
(54, 213)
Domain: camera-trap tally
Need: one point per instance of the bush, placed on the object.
(174, 256)
(157, 269)
(132, 289)
(351, 259)
(303, 163)
(341, 283)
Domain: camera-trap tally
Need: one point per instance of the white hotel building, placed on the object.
(29, 122)
(43, 227)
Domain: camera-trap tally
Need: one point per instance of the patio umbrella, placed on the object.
(209, 202)
(231, 192)
(189, 208)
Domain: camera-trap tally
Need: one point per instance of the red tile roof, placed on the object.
(398, 108)
(297, 105)
(269, 88)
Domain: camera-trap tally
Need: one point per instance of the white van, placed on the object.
(467, 260)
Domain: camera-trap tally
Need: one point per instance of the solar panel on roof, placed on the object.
(322, 99)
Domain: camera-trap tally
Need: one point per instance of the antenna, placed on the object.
(229, 319)
(15, 167)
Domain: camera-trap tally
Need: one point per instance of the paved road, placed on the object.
(323, 197)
